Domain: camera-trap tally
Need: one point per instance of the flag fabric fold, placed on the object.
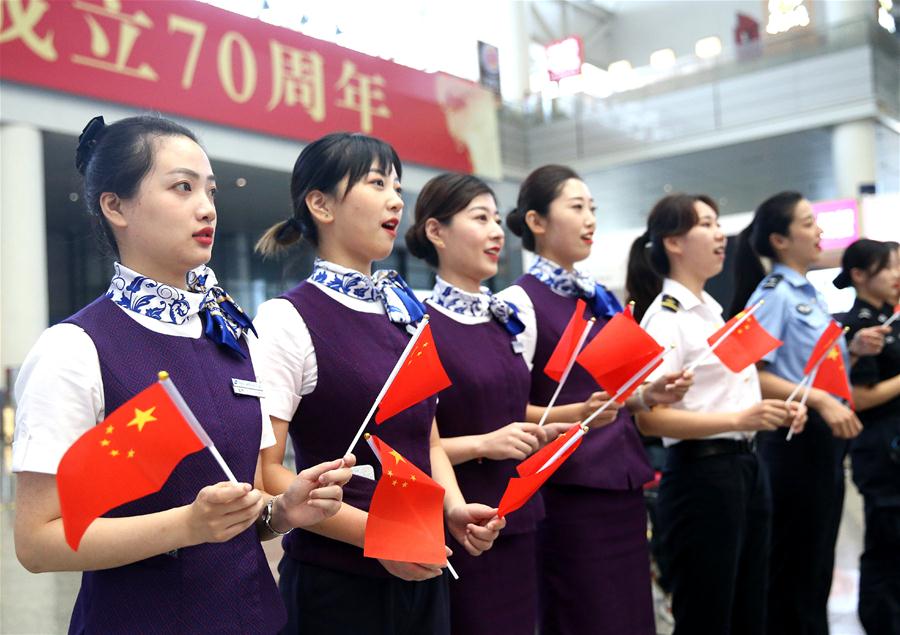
(831, 376)
(520, 489)
(421, 376)
(619, 351)
(747, 344)
(406, 515)
(567, 344)
(130, 454)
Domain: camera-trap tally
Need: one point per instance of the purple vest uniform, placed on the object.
(610, 457)
(355, 353)
(223, 587)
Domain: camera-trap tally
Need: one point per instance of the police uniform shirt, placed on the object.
(873, 369)
(678, 317)
(795, 313)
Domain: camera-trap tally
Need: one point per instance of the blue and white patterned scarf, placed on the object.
(480, 304)
(224, 321)
(385, 286)
(576, 284)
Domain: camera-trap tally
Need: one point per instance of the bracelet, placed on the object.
(267, 518)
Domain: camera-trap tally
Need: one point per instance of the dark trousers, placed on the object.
(807, 498)
(322, 601)
(714, 520)
(879, 572)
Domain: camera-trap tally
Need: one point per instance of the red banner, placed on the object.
(195, 60)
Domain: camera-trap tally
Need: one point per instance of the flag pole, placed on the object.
(564, 447)
(569, 365)
(797, 389)
(188, 415)
(806, 383)
(368, 438)
(387, 384)
(628, 384)
(724, 335)
(892, 319)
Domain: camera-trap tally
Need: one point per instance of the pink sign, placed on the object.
(839, 221)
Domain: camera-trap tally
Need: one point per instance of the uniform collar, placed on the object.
(686, 297)
(795, 278)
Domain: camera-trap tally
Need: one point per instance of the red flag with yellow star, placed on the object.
(568, 342)
(421, 376)
(747, 344)
(832, 376)
(406, 516)
(826, 340)
(128, 455)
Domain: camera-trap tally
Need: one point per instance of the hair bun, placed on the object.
(88, 139)
(515, 220)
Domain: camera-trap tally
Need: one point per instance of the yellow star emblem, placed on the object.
(833, 353)
(393, 482)
(413, 477)
(397, 457)
(405, 484)
(390, 472)
(114, 453)
(104, 442)
(130, 454)
(142, 418)
(109, 429)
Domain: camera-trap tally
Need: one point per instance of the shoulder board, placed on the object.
(670, 303)
(772, 281)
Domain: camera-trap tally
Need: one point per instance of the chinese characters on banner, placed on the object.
(195, 60)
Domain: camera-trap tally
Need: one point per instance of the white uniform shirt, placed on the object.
(59, 391)
(528, 338)
(716, 388)
(287, 364)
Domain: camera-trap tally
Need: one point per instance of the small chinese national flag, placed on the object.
(129, 455)
(406, 516)
(832, 376)
(620, 350)
(565, 348)
(421, 376)
(531, 476)
(828, 338)
(747, 344)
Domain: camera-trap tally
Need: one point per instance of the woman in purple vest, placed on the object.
(188, 557)
(481, 417)
(593, 553)
(329, 344)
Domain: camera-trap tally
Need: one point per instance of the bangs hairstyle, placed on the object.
(872, 256)
(442, 198)
(321, 166)
(648, 262)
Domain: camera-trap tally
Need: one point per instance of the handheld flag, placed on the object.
(537, 468)
(130, 454)
(420, 376)
(406, 516)
(831, 376)
(568, 343)
(621, 349)
(739, 347)
(828, 338)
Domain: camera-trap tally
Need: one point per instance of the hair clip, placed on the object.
(87, 141)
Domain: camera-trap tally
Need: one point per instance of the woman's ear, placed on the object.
(319, 206)
(434, 232)
(536, 223)
(111, 208)
(858, 276)
(672, 245)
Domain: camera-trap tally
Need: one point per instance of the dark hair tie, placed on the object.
(87, 141)
(291, 224)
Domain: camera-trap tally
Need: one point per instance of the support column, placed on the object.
(853, 156)
(23, 244)
(514, 57)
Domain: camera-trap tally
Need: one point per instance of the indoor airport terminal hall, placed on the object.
(412, 317)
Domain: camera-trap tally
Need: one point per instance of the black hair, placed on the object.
(773, 216)
(869, 255)
(537, 191)
(116, 158)
(321, 166)
(648, 263)
(441, 199)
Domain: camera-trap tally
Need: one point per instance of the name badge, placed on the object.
(517, 346)
(366, 471)
(247, 387)
(804, 309)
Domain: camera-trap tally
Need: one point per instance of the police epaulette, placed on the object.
(772, 281)
(670, 303)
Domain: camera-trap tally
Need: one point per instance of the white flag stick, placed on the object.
(387, 384)
(796, 390)
(806, 383)
(724, 335)
(628, 384)
(564, 447)
(378, 456)
(892, 319)
(188, 415)
(569, 365)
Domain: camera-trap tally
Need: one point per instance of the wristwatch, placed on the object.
(267, 518)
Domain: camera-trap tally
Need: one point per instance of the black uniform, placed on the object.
(875, 454)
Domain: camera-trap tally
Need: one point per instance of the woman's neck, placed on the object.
(865, 296)
(175, 279)
(796, 265)
(690, 281)
(566, 263)
(343, 259)
(459, 280)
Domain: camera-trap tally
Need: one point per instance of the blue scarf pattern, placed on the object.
(480, 304)
(576, 284)
(386, 286)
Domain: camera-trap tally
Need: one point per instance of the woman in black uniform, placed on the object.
(873, 268)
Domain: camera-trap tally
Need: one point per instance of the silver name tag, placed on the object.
(246, 387)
